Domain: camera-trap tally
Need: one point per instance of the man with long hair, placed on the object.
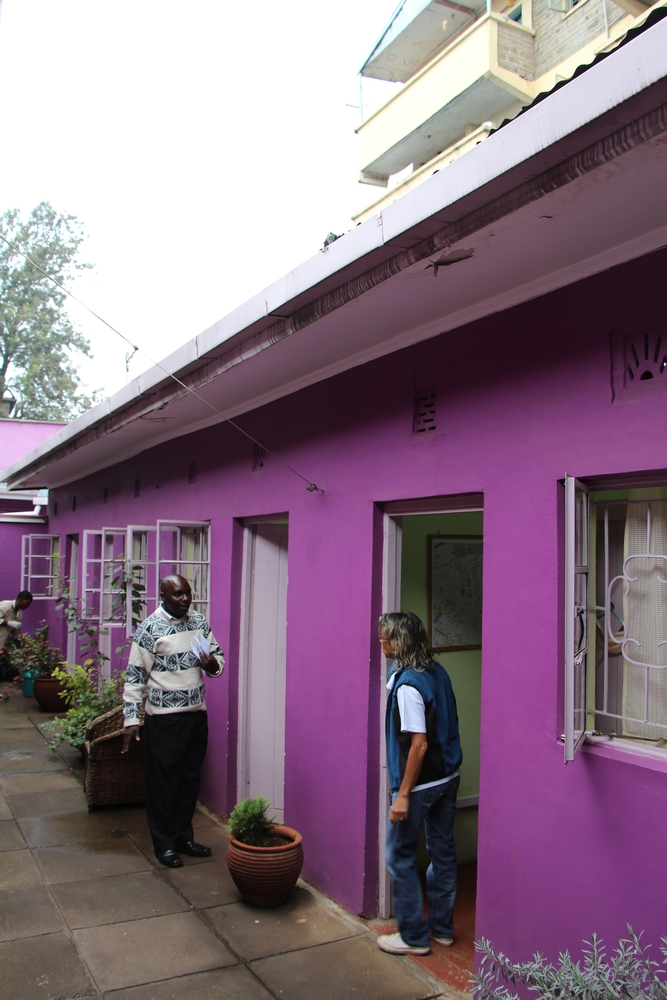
(423, 757)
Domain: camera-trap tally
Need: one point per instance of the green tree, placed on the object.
(38, 343)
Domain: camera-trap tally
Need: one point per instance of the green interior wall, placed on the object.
(464, 668)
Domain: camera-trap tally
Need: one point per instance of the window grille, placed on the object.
(183, 548)
(616, 638)
(39, 565)
(630, 697)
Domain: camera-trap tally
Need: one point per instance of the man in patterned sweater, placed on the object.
(164, 666)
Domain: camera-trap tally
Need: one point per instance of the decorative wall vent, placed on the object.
(639, 361)
(424, 415)
(192, 473)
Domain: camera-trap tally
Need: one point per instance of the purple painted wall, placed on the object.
(21, 436)
(523, 398)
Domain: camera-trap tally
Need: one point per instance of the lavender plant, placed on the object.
(627, 974)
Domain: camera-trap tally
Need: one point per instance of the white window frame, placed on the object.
(576, 614)
(89, 561)
(27, 557)
(147, 573)
(199, 603)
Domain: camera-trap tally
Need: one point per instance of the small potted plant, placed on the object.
(264, 860)
(36, 660)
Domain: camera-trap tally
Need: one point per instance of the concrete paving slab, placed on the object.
(340, 970)
(73, 862)
(67, 800)
(10, 836)
(23, 760)
(146, 951)
(300, 923)
(236, 983)
(42, 968)
(5, 812)
(117, 898)
(215, 838)
(27, 913)
(205, 885)
(18, 870)
(133, 820)
(51, 831)
(20, 738)
(13, 719)
(18, 784)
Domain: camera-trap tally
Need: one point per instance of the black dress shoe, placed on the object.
(193, 849)
(169, 858)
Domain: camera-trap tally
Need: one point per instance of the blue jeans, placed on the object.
(436, 807)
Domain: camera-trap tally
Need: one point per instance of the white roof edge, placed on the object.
(616, 79)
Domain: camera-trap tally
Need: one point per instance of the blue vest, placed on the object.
(443, 756)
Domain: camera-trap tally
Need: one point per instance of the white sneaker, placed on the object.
(447, 942)
(395, 945)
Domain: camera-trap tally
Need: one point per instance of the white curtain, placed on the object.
(645, 615)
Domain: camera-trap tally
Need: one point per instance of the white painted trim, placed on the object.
(244, 639)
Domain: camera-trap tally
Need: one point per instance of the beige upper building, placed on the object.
(460, 69)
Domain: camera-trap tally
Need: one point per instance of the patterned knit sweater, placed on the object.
(163, 665)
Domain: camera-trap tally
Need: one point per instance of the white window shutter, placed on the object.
(576, 614)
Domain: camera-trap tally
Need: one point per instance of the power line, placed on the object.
(311, 487)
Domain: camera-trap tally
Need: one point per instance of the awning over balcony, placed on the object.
(417, 29)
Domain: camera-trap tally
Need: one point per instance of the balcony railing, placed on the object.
(486, 69)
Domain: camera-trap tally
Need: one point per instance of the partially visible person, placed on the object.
(11, 613)
(163, 664)
(423, 758)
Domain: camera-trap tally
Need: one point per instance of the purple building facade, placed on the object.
(453, 404)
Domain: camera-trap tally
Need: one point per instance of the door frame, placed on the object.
(393, 513)
(247, 554)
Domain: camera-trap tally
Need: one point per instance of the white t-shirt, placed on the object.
(412, 711)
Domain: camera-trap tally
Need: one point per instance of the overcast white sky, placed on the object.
(206, 146)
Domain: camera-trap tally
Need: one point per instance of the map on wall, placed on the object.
(455, 592)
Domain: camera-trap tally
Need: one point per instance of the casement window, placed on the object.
(616, 616)
(142, 584)
(39, 565)
(183, 547)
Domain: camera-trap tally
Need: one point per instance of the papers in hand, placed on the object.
(200, 647)
(14, 624)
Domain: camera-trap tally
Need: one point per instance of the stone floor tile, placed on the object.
(146, 951)
(300, 923)
(9, 720)
(20, 738)
(200, 819)
(117, 898)
(10, 836)
(42, 968)
(18, 784)
(72, 862)
(50, 831)
(18, 870)
(205, 885)
(5, 812)
(214, 837)
(336, 971)
(28, 912)
(68, 800)
(23, 760)
(132, 819)
(236, 983)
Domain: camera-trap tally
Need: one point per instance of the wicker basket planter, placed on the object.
(112, 778)
(265, 876)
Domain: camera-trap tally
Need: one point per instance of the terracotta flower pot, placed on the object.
(48, 694)
(265, 876)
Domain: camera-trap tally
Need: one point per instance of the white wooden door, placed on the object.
(262, 703)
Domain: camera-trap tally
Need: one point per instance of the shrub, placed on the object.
(627, 973)
(87, 698)
(33, 654)
(249, 824)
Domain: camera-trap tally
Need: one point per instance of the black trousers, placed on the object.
(174, 751)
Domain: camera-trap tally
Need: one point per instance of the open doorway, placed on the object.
(261, 756)
(413, 532)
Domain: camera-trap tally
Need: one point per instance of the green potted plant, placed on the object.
(264, 859)
(87, 698)
(37, 661)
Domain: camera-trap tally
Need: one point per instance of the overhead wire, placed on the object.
(311, 487)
